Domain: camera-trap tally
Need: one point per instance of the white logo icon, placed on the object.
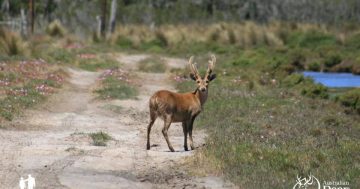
(30, 182)
(306, 182)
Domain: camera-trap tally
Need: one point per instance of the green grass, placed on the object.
(153, 64)
(262, 137)
(100, 138)
(102, 62)
(116, 89)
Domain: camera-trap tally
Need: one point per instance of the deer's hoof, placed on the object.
(186, 148)
(147, 147)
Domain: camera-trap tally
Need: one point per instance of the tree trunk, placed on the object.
(103, 18)
(112, 22)
(31, 15)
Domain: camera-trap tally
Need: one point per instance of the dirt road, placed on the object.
(51, 142)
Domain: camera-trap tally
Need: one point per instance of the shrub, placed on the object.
(124, 42)
(55, 29)
(315, 66)
(351, 99)
(297, 59)
(292, 80)
(315, 91)
(332, 60)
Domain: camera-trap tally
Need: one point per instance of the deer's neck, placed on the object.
(202, 96)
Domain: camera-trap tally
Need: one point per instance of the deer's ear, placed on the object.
(192, 76)
(212, 77)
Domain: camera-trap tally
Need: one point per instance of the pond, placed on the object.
(334, 79)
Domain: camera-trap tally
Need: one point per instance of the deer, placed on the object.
(174, 107)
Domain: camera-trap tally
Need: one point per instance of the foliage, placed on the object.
(100, 138)
(351, 99)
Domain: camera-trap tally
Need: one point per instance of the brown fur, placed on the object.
(180, 107)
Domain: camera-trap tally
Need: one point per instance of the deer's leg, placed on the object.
(152, 120)
(185, 130)
(190, 132)
(167, 123)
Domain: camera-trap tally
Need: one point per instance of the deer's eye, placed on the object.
(197, 81)
(207, 81)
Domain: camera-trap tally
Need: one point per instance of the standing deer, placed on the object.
(181, 107)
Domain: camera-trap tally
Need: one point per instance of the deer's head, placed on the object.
(202, 82)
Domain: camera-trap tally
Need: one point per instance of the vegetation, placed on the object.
(100, 138)
(25, 84)
(263, 135)
(266, 122)
(152, 64)
(115, 84)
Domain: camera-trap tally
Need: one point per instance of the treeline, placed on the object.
(184, 11)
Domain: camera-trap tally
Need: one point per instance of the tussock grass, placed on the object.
(152, 64)
(11, 44)
(56, 29)
(100, 138)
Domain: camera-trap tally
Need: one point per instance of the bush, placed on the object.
(332, 60)
(351, 99)
(315, 91)
(315, 66)
(297, 59)
(124, 42)
(292, 80)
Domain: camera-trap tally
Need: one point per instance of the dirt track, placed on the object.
(50, 141)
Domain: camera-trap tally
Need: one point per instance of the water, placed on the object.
(334, 79)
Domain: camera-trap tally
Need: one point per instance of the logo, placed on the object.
(307, 183)
(29, 182)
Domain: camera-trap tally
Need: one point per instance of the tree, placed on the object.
(112, 22)
(103, 18)
(31, 15)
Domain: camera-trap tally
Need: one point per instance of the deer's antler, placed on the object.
(211, 65)
(193, 67)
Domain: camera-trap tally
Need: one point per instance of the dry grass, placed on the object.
(245, 35)
(11, 44)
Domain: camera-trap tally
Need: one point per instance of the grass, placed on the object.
(26, 84)
(115, 84)
(11, 44)
(153, 64)
(98, 63)
(264, 136)
(114, 108)
(100, 138)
